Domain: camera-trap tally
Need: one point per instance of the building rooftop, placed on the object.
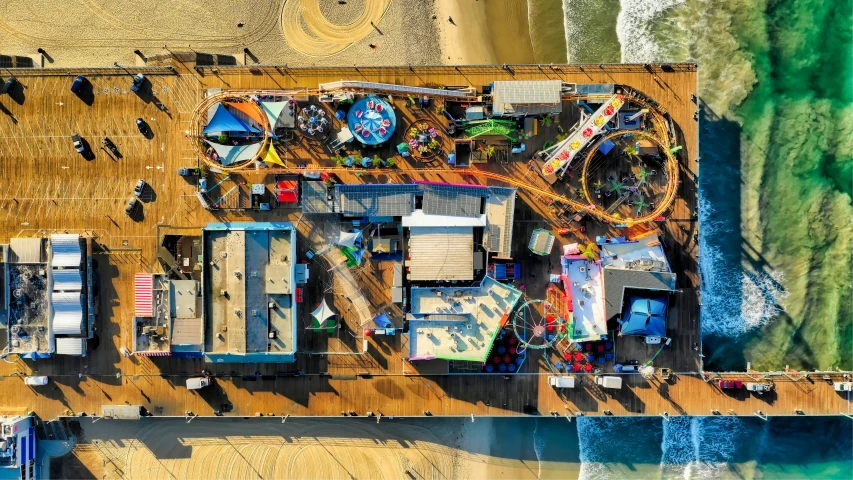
(458, 323)
(153, 303)
(314, 197)
(454, 200)
(587, 292)
(527, 97)
(634, 254)
(248, 291)
(500, 212)
(616, 280)
(441, 254)
(386, 200)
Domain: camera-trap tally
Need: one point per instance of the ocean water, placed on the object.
(603, 448)
(776, 169)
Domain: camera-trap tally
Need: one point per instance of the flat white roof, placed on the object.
(587, 287)
(458, 323)
(420, 219)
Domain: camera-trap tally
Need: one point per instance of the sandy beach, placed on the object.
(484, 32)
(452, 448)
(299, 32)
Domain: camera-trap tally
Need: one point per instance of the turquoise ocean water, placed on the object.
(684, 447)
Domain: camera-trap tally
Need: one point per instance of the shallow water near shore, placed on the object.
(684, 447)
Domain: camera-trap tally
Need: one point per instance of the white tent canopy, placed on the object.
(274, 114)
(323, 313)
(348, 239)
(229, 154)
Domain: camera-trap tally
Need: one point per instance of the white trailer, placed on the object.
(197, 383)
(843, 386)
(561, 382)
(609, 382)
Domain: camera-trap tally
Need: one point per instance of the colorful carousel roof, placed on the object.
(372, 120)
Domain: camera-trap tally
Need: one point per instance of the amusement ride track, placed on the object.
(659, 124)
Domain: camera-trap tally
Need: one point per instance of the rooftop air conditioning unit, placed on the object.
(583, 269)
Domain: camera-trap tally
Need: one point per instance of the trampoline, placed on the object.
(372, 120)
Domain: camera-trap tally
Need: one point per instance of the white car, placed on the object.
(843, 386)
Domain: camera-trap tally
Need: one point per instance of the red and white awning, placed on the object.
(153, 354)
(144, 295)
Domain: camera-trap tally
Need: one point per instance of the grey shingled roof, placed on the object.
(616, 280)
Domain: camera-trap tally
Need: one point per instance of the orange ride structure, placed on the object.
(658, 134)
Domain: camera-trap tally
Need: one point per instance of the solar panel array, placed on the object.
(457, 201)
(375, 200)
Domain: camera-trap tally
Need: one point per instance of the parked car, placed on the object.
(132, 204)
(142, 126)
(110, 145)
(759, 388)
(78, 143)
(9, 86)
(78, 82)
(139, 188)
(137, 82)
(842, 386)
(730, 384)
(188, 172)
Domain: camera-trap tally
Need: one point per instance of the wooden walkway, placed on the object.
(46, 187)
(404, 395)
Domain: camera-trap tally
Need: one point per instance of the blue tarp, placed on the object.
(382, 320)
(644, 316)
(606, 147)
(225, 121)
(35, 355)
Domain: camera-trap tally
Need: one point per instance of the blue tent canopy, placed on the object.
(225, 121)
(644, 316)
(606, 147)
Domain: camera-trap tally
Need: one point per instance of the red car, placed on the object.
(729, 384)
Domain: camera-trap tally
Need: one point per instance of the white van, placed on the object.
(35, 381)
(197, 383)
(561, 382)
(609, 382)
(843, 386)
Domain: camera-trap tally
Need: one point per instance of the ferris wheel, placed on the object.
(538, 325)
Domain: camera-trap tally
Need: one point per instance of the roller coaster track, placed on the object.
(584, 208)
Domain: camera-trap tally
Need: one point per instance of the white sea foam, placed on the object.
(538, 448)
(634, 28)
(735, 300)
(698, 447)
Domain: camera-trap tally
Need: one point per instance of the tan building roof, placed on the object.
(441, 253)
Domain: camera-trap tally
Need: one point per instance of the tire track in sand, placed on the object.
(323, 37)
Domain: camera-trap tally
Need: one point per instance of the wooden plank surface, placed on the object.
(47, 187)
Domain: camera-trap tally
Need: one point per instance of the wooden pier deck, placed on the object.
(46, 187)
